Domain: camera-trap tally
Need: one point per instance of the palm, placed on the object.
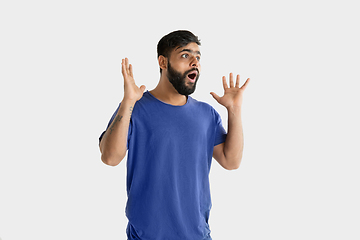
(131, 90)
(233, 95)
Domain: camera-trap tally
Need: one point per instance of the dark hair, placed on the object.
(175, 39)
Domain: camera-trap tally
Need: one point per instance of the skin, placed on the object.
(182, 61)
(228, 154)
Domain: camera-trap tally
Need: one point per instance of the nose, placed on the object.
(195, 62)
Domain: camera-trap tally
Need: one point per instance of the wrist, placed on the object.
(128, 102)
(234, 109)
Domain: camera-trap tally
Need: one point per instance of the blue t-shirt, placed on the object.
(169, 157)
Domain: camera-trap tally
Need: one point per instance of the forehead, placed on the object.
(191, 47)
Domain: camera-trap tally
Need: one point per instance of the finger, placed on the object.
(245, 84)
(224, 82)
(217, 98)
(237, 81)
(231, 80)
(142, 88)
(127, 65)
(123, 70)
(130, 70)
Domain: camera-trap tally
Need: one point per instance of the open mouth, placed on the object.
(192, 76)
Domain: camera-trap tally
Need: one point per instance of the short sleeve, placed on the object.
(220, 132)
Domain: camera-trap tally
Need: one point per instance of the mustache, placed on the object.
(193, 69)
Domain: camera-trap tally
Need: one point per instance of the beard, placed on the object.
(178, 80)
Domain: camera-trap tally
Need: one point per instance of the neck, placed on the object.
(165, 92)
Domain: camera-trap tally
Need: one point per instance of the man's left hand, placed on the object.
(233, 95)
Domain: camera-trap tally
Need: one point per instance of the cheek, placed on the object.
(180, 67)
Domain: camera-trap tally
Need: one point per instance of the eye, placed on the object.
(198, 58)
(185, 55)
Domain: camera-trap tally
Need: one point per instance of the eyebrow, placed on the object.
(190, 51)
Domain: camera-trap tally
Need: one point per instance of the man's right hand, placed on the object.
(113, 145)
(132, 92)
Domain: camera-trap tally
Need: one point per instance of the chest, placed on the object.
(173, 124)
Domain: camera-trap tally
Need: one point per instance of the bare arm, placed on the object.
(113, 144)
(229, 154)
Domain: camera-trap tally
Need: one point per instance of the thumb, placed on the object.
(217, 98)
(142, 88)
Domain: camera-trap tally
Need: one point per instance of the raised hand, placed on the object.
(233, 95)
(131, 91)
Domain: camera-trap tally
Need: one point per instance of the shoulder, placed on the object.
(144, 101)
(203, 107)
(199, 104)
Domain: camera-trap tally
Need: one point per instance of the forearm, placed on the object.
(113, 145)
(234, 144)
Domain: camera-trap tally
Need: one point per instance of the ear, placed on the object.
(162, 62)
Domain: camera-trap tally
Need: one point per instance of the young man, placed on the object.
(171, 139)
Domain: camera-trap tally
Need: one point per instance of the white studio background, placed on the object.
(61, 81)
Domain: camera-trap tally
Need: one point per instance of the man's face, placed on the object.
(184, 70)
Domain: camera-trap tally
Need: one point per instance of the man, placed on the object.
(171, 139)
